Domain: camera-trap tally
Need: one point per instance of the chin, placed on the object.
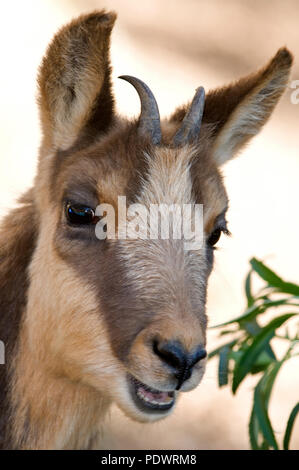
(143, 403)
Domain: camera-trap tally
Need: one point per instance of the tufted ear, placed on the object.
(75, 95)
(237, 112)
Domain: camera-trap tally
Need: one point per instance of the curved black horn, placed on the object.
(149, 121)
(190, 126)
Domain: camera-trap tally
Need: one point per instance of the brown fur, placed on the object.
(78, 314)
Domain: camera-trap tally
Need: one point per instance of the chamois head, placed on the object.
(127, 316)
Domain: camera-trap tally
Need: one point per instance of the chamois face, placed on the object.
(146, 294)
(127, 316)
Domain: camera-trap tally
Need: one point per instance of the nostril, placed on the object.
(170, 353)
(174, 355)
(199, 354)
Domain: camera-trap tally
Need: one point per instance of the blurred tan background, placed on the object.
(175, 46)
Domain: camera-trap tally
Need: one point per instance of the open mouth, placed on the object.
(149, 399)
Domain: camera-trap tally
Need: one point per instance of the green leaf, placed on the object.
(268, 379)
(236, 355)
(265, 445)
(255, 310)
(250, 299)
(289, 288)
(272, 279)
(227, 332)
(259, 343)
(265, 273)
(254, 430)
(289, 427)
(252, 327)
(258, 421)
(249, 357)
(217, 350)
(262, 362)
(262, 416)
(223, 366)
(250, 312)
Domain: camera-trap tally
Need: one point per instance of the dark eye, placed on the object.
(214, 237)
(79, 214)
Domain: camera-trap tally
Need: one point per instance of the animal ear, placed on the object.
(237, 112)
(240, 110)
(75, 95)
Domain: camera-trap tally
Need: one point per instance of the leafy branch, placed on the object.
(250, 351)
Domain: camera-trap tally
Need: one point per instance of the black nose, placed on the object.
(180, 360)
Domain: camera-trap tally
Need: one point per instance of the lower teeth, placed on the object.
(152, 402)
